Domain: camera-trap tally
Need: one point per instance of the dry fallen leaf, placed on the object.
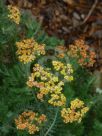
(70, 2)
(21, 3)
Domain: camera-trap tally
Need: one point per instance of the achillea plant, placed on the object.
(57, 99)
(80, 51)
(47, 83)
(30, 121)
(53, 82)
(75, 113)
(14, 14)
(65, 70)
(28, 49)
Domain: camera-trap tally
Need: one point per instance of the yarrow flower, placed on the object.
(45, 76)
(65, 70)
(75, 113)
(14, 14)
(82, 53)
(47, 83)
(57, 99)
(30, 121)
(28, 49)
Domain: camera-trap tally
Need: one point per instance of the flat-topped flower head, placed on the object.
(82, 53)
(14, 14)
(30, 121)
(65, 70)
(75, 113)
(57, 99)
(29, 49)
(48, 84)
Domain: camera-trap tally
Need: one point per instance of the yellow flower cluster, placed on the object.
(48, 83)
(44, 75)
(57, 99)
(14, 14)
(82, 53)
(65, 70)
(30, 121)
(75, 113)
(28, 49)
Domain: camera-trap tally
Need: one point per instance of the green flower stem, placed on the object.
(28, 69)
(53, 123)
